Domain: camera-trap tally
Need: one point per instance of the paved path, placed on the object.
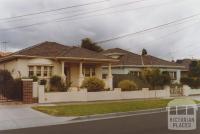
(15, 117)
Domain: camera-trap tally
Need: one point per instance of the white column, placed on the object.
(63, 71)
(178, 76)
(81, 77)
(110, 77)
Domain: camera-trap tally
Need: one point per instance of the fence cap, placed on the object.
(182, 102)
(27, 79)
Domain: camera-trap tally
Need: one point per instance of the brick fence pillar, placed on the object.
(27, 89)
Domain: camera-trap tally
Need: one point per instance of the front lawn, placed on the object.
(101, 108)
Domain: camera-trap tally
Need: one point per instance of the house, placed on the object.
(186, 63)
(50, 58)
(2, 54)
(133, 63)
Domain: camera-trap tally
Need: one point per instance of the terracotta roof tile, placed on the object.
(129, 58)
(53, 49)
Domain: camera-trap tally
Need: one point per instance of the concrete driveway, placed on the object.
(15, 117)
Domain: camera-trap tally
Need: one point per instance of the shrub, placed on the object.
(93, 84)
(6, 80)
(191, 81)
(155, 78)
(127, 85)
(35, 78)
(43, 82)
(56, 84)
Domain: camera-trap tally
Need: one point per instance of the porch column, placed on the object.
(110, 77)
(178, 76)
(63, 71)
(81, 77)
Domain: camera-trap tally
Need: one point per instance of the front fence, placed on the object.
(83, 95)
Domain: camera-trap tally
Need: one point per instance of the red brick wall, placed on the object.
(27, 91)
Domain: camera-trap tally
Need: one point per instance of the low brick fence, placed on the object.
(188, 91)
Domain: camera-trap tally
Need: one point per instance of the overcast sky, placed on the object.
(175, 41)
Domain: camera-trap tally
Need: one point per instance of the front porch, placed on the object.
(76, 72)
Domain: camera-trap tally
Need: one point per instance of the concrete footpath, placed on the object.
(22, 116)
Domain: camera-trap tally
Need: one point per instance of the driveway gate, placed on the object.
(11, 94)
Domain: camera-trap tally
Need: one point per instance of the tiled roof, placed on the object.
(185, 62)
(132, 59)
(2, 54)
(56, 50)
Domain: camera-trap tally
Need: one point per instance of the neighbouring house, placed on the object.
(50, 58)
(133, 63)
(186, 63)
(2, 54)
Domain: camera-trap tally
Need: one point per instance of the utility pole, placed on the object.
(4, 46)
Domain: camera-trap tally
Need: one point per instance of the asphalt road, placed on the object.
(138, 124)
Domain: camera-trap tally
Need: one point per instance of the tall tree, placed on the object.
(144, 52)
(88, 44)
(194, 69)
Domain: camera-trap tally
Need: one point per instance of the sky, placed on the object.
(105, 20)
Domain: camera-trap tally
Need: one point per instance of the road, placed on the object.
(155, 123)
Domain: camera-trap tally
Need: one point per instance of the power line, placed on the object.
(172, 33)
(68, 17)
(54, 10)
(4, 46)
(93, 11)
(148, 29)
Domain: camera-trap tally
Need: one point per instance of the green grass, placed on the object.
(101, 108)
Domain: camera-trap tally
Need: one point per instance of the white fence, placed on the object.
(187, 91)
(83, 95)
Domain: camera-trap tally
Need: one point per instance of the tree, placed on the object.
(155, 78)
(144, 52)
(194, 69)
(88, 44)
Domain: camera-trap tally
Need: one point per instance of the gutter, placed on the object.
(142, 66)
(58, 58)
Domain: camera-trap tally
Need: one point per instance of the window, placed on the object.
(173, 75)
(135, 73)
(39, 71)
(89, 71)
(31, 71)
(50, 71)
(45, 73)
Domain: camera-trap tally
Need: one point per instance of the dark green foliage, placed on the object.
(127, 85)
(43, 82)
(13, 88)
(155, 78)
(191, 81)
(144, 52)
(35, 78)
(93, 84)
(57, 85)
(194, 69)
(88, 44)
(6, 80)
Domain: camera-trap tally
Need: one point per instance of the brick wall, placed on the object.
(27, 85)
